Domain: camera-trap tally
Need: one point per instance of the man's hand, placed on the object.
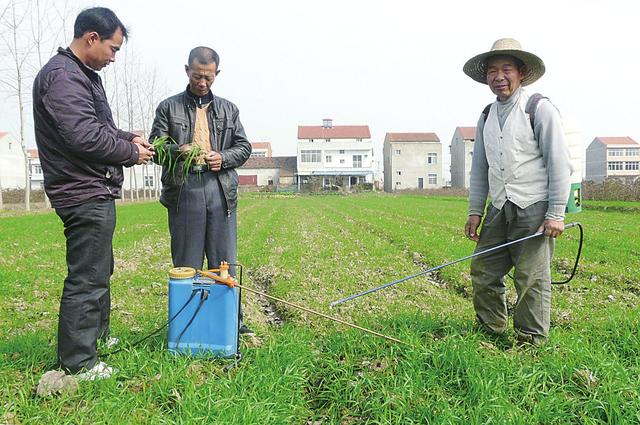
(214, 160)
(144, 154)
(552, 228)
(139, 140)
(471, 228)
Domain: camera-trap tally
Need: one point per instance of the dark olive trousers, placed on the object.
(531, 261)
(86, 304)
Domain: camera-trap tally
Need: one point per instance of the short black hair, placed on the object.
(98, 19)
(204, 55)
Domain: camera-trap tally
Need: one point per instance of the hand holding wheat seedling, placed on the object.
(161, 145)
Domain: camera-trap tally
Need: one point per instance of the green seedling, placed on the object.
(161, 147)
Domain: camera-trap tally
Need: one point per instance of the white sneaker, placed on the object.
(99, 371)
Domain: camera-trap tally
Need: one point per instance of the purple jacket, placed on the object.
(81, 150)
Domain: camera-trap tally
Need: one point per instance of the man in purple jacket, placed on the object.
(82, 153)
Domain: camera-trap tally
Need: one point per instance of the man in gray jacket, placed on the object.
(523, 166)
(202, 198)
(82, 154)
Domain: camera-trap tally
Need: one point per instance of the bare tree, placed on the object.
(19, 52)
(47, 33)
(134, 92)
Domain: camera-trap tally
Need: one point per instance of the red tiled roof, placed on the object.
(335, 132)
(468, 133)
(33, 153)
(617, 140)
(412, 137)
(261, 145)
(2, 134)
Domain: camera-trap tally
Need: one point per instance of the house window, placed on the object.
(148, 181)
(311, 140)
(358, 140)
(397, 151)
(270, 182)
(258, 154)
(432, 158)
(616, 152)
(36, 169)
(341, 151)
(342, 161)
(398, 173)
(397, 184)
(327, 158)
(357, 161)
(631, 165)
(327, 140)
(433, 178)
(310, 156)
(420, 183)
(633, 152)
(614, 165)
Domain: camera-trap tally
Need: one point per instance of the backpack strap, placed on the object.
(530, 108)
(485, 112)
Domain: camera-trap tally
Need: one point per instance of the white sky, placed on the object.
(395, 66)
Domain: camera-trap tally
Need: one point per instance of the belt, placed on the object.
(198, 168)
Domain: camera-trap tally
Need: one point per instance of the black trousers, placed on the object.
(86, 304)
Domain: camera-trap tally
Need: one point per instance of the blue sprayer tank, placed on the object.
(213, 329)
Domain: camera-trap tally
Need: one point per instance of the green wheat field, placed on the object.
(303, 369)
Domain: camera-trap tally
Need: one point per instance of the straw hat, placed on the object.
(476, 66)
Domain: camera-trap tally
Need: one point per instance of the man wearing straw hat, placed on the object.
(522, 164)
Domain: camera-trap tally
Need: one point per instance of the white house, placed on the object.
(412, 161)
(260, 149)
(613, 157)
(462, 155)
(269, 171)
(340, 155)
(36, 177)
(143, 177)
(12, 168)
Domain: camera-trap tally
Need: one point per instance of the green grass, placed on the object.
(312, 250)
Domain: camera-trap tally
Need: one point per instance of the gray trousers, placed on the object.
(86, 304)
(200, 225)
(531, 261)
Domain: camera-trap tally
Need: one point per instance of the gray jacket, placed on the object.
(176, 117)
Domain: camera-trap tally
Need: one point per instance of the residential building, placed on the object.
(617, 157)
(340, 155)
(144, 178)
(412, 161)
(35, 169)
(12, 167)
(462, 155)
(260, 150)
(277, 171)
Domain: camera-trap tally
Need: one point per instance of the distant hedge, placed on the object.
(611, 190)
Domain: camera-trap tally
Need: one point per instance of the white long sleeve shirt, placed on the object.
(513, 162)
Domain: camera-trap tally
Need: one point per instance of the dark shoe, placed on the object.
(525, 339)
(244, 330)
